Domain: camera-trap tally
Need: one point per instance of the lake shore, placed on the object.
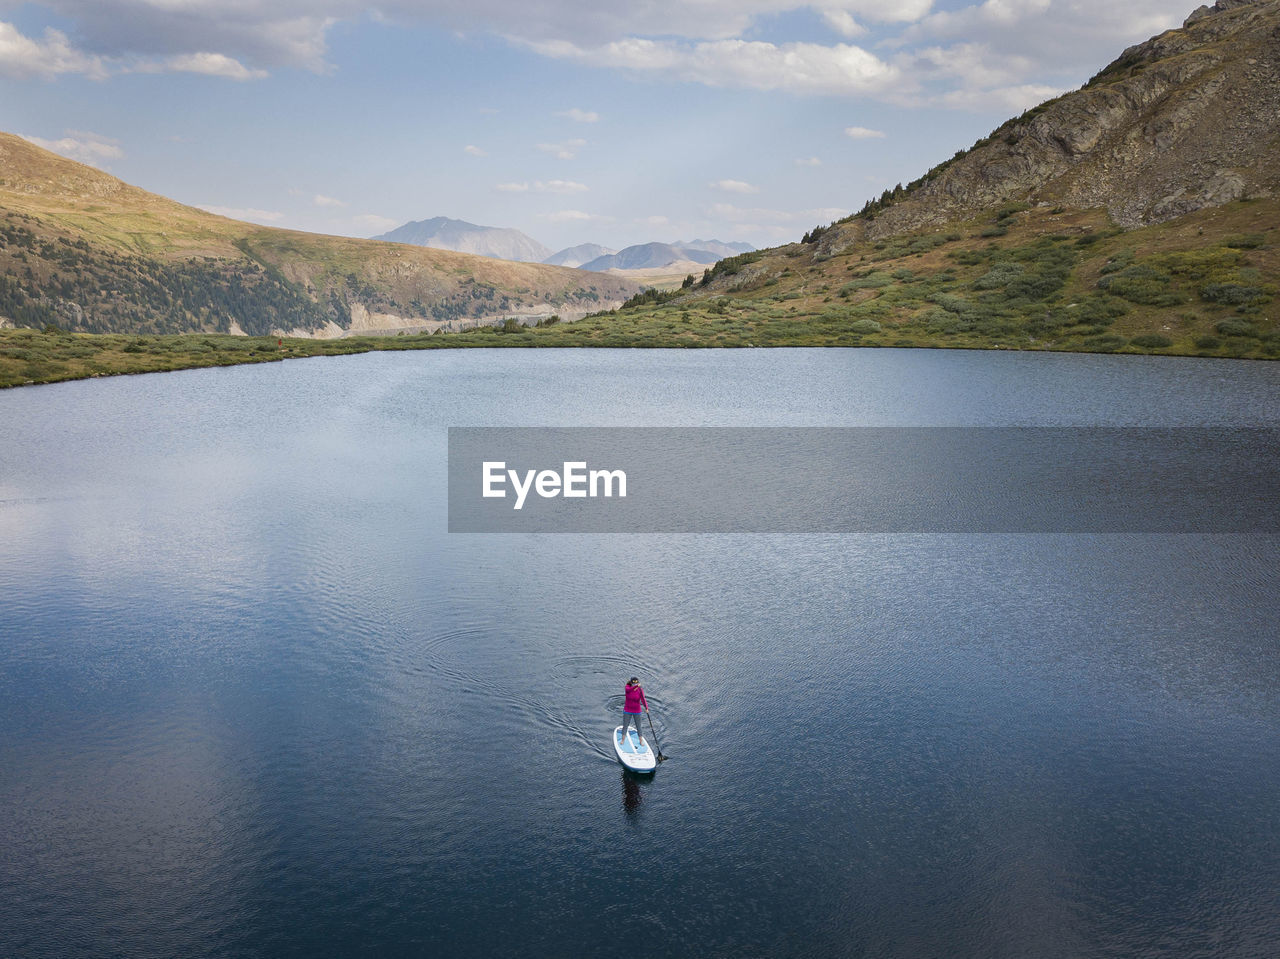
(33, 357)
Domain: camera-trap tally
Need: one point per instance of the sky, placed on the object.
(575, 122)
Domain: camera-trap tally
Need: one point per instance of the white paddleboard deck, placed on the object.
(634, 752)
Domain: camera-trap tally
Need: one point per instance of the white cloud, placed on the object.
(251, 214)
(808, 161)
(1033, 43)
(793, 67)
(751, 215)
(842, 22)
(209, 64)
(540, 186)
(1045, 38)
(1025, 45)
(863, 133)
(563, 151)
(654, 221)
(963, 21)
(1011, 99)
(269, 33)
(260, 33)
(975, 64)
(576, 216)
(602, 22)
(560, 186)
(734, 186)
(327, 201)
(374, 223)
(972, 76)
(729, 211)
(472, 150)
(82, 146)
(22, 58)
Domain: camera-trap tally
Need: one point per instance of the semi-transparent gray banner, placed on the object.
(864, 480)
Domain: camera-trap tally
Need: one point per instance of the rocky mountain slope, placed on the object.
(85, 251)
(443, 233)
(1186, 120)
(1140, 213)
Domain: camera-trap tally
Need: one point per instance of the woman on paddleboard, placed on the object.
(635, 704)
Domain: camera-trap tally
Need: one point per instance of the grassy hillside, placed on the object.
(87, 252)
(1015, 279)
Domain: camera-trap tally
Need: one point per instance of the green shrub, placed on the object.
(733, 264)
(1142, 284)
(940, 321)
(872, 281)
(1246, 241)
(971, 257)
(1235, 328)
(1107, 343)
(1009, 209)
(950, 303)
(1100, 309)
(1232, 294)
(999, 275)
(865, 326)
(1212, 265)
(1053, 319)
(1206, 342)
(1117, 262)
(1036, 286)
(1152, 341)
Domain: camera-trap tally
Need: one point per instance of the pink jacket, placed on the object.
(635, 700)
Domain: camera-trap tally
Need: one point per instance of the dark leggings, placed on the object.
(626, 719)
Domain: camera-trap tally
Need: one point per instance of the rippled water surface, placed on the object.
(255, 701)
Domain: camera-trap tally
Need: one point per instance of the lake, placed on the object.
(257, 701)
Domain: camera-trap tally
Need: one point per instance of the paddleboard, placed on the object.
(634, 753)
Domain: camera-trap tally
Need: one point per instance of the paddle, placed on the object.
(661, 758)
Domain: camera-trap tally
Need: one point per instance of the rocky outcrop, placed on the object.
(1186, 120)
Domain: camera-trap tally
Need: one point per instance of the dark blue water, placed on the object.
(255, 701)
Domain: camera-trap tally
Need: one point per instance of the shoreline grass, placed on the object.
(32, 357)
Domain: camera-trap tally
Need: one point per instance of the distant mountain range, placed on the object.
(578, 255)
(646, 256)
(444, 233)
(715, 246)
